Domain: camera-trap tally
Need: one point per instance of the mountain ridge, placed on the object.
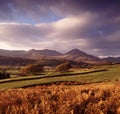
(74, 55)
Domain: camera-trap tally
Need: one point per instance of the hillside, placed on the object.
(4, 60)
(41, 54)
(12, 53)
(46, 54)
(74, 54)
(78, 55)
(112, 59)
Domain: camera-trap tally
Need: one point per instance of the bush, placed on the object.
(4, 75)
(64, 67)
(32, 69)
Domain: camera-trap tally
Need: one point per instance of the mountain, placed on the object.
(75, 52)
(112, 59)
(45, 52)
(45, 57)
(78, 55)
(31, 54)
(12, 53)
(73, 55)
(4, 60)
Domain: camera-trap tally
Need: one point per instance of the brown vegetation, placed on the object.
(64, 67)
(62, 99)
(32, 69)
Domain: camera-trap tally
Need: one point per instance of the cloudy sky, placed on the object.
(92, 26)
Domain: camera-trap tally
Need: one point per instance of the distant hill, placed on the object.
(46, 54)
(76, 52)
(12, 53)
(41, 54)
(32, 54)
(78, 55)
(4, 60)
(112, 59)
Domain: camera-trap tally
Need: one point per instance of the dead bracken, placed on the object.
(97, 98)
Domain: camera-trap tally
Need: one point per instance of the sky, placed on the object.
(92, 26)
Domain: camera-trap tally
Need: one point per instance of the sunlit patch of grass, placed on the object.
(106, 73)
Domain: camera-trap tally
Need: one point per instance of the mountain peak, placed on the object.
(31, 50)
(46, 52)
(75, 49)
(76, 52)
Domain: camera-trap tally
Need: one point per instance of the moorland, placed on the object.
(71, 83)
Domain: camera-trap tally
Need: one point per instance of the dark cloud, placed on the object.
(37, 8)
(91, 25)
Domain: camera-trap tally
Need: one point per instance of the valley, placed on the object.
(76, 81)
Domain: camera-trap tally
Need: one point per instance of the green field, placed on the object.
(98, 74)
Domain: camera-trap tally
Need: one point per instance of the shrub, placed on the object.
(4, 75)
(32, 69)
(63, 67)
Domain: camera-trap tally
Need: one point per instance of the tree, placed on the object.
(32, 69)
(64, 67)
(4, 75)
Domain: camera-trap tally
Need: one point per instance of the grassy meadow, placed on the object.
(106, 73)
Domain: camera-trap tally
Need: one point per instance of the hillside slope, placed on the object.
(72, 55)
(4, 60)
(78, 55)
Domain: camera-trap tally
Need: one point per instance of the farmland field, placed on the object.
(106, 73)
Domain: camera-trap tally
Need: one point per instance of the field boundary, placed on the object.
(48, 76)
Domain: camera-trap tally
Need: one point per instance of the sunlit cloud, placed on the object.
(89, 25)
